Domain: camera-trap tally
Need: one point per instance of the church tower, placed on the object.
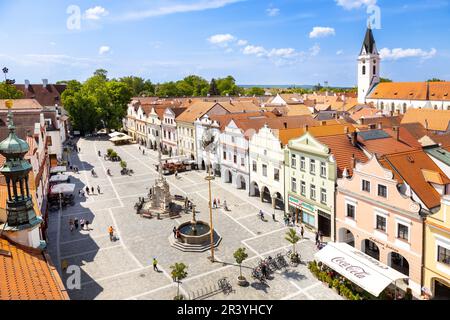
(368, 66)
(22, 224)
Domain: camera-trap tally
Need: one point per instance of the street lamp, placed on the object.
(209, 178)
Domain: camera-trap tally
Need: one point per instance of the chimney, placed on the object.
(380, 125)
(307, 128)
(397, 131)
(354, 138)
(285, 125)
(45, 82)
(346, 130)
(323, 123)
(353, 162)
(27, 84)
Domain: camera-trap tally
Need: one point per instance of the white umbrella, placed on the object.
(63, 188)
(59, 178)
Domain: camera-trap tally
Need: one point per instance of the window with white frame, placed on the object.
(443, 255)
(294, 184)
(350, 212)
(276, 174)
(242, 161)
(323, 195)
(293, 161)
(382, 191)
(302, 163)
(264, 170)
(224, 155)
(313, 192)
(365, 186)
(255, 166)
(323, 169)
(303, 188)
(380, 223)
(402, 231)
(312, 166)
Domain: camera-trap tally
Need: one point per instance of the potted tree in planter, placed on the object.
(293, 238)
(178, 273)
(240, 255)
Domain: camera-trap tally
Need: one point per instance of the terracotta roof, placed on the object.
(240, 106)
(317, 131)
(411, 91)
(22, 104)
(46, 95)
(409, 166)
(286, 123)
(365, 112)
(381, 143)
(438, 120)
(343, 151)
(26, 274)
(224, 120)
(196, 110)
(404, 136)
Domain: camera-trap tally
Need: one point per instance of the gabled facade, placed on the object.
(368, 66)
(211, 157)
(310, 177)
(437, 252)
(374, 216)
(234, 153)
(169, 133)
(267, 167)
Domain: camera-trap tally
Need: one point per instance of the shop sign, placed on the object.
(301, 204)
(383, 245)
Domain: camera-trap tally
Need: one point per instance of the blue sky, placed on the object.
(256, 41)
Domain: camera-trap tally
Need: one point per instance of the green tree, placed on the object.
(240, 255)
(123, 164)
(292, 237)
(139, 86)
(9, 91)
(167, 89)
(213, 90)
(435, 80)
(178, 273)
(255, 91)
(385, 80)
(198, 84)
(227, 86)
(101, 73)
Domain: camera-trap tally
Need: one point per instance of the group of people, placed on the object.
(74, 224)
(216, 204)
(89, 191)
(289, 219)
(176, 233)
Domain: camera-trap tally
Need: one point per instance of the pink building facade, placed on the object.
(375, 217)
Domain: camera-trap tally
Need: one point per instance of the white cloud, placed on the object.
(229, 50)
(198, 5)
(272, 12)
(242, 43)
(221, 39)
(314, 50)
(339, 52)
(282, 53)
(95, 13)
(320, 32)
(103, 50)
(256, 50)
(399, 53)
(355, 4)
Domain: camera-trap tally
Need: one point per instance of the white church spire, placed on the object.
(368, 66)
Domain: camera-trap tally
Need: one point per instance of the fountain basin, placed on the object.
(201, 235)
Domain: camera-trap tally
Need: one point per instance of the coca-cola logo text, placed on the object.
(357, 271)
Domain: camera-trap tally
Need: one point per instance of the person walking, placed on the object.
(293, 220)
(111, 233)
(302, 231)
(174, 230)
(214, 203)
(225, 205)
(87, 225)
(218, 202)
(75, 222)
(273, 217)
(321, 235)
(98, 189)
(71, 225)
(155, 265)
(317, 238)
(176, 174)
(82, 223)
(92, 189)
(143, 152)
(87, 190)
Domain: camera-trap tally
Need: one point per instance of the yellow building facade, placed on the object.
(437, 252)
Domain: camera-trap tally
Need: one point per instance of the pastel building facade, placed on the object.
(373, 216)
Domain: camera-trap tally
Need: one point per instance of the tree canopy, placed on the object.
(139, 86)
(97, 103)
(8, 91)
(435, 80)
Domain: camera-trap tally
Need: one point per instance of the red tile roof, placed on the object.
(408, 166)
(27, 274)
(343, 151)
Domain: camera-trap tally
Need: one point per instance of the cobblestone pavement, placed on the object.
(123, 269)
